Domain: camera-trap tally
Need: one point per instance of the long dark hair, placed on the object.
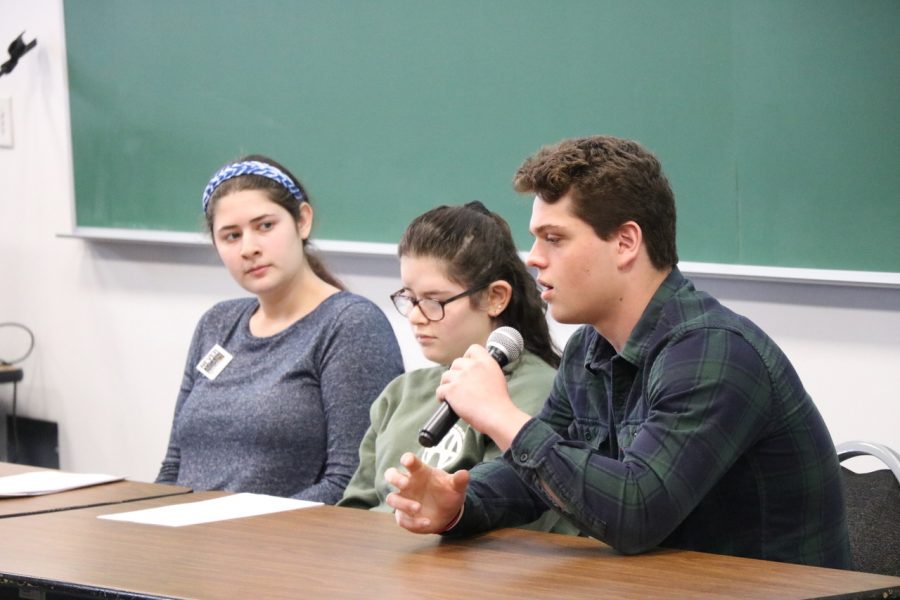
(478, 248)
(278, 194)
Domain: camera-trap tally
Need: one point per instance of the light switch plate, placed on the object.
(6, 131)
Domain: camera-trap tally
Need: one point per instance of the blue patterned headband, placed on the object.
(250, 167)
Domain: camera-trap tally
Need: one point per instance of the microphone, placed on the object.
(505, 345)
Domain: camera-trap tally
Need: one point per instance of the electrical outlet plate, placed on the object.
(6, 131)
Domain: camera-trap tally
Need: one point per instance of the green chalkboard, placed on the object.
(776, 120)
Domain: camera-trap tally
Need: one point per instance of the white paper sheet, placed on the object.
(36, 483)
(206, 511)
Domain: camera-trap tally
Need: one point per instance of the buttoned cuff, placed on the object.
(531, 444)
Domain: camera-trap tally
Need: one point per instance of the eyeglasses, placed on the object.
(431, 309)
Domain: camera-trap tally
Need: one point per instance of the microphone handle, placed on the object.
(437, 426)
(444, 417)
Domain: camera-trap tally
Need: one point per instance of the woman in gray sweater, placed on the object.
(277, 387)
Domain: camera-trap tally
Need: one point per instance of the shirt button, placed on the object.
(523, 457)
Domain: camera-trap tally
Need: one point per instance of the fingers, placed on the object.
(412, 463)
(396, 478)
(447, 376)
(403, 482)
(399, 479)
(406, 514)
(408, 507)
(476, 352)
(460, 481)
(424, 498)
(413, 524)
(451, 376)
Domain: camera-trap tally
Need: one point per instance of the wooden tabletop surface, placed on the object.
(95, 495)
(329, 552)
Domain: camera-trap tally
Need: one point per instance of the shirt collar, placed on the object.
(638, 343)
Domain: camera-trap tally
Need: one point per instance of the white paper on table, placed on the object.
(37, 483)
(234, 506)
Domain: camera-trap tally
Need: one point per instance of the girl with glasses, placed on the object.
(277, 386)
(462, 278)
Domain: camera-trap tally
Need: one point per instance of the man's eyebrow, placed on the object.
(545, 227)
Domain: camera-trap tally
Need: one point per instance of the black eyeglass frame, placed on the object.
(414, 302)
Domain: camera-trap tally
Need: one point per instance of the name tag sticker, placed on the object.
(214, 362)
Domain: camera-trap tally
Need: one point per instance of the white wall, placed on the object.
(112, 321)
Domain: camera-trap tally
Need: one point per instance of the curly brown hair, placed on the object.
(610, 181)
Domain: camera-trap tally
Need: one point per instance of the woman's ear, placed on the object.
(304, 223)
(498, 297)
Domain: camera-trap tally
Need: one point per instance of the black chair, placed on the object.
(873, 509)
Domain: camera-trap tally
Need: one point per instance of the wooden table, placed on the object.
(95, 495)
(328, 552)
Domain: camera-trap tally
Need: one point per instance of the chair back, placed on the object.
(873, 509)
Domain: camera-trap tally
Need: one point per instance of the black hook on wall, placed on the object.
(17, 50)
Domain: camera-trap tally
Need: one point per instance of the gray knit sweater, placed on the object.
(286, 415)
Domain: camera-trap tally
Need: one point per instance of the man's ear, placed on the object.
(629, 238)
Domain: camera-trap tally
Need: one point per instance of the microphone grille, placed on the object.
(508, 340)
